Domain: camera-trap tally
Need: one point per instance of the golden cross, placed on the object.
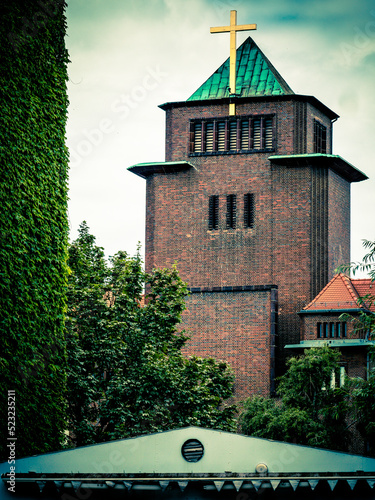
(232, 29)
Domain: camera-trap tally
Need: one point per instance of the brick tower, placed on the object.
(255, 210)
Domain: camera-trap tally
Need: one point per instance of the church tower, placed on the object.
(255, 210)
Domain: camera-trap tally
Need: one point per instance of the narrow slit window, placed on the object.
(221, 136)
(209, 137)
(249, 210)
(320, 138)
(338, 330)
(268, 133)
(256, 134)
(245, 144)
(319, 330)
(233, 136)
(332, 330)
(344, 329)
(198, 137)
(213, 212)
(231, 211)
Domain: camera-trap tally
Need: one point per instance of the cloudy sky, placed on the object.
(129, 56)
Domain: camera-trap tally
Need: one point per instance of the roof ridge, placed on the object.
(353, 292)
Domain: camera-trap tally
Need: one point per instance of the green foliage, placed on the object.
(310, 411)
(363, 394)
(368, 262)
(34, 227)
(126, 373)
(363, 391)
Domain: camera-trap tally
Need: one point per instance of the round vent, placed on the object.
(192, 450)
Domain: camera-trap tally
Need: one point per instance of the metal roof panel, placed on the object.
(252, 67)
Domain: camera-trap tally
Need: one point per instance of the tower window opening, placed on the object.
(209, 137)
(198, 137)
(213, 212)
(246, 134)
(233, 136)
(257, 134)
(320, 138)
(221, 146)
(231, 211)
(249, 210)
(245, 143)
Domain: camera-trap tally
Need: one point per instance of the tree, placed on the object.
(311, 411)
(34, 223)
(126, 373)
(363, 391)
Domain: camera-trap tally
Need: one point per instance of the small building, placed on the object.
(190, 463)
(322, 323)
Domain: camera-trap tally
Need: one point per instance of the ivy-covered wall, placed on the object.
(34, 226)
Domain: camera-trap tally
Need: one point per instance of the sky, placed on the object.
(129, 56)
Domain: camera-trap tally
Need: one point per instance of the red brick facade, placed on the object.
(236, 325)
(301, 231)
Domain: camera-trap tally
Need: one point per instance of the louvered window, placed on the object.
(198, 137)
(245, 134)
(233, 136)
(221, 136)
(211, 136)
(213, 212)
(231, 211)
(257, 134)
(249, 210)
(268, 133)
(320, 138)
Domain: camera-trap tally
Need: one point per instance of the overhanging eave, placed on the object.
(334, 162)
(144, 170)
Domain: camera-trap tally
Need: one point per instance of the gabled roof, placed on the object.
(341, 294)
(255, 76)
(365, 286)
(205, 459)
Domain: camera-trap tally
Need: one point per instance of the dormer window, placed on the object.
(244, 134)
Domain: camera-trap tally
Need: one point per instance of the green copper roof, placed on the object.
(255, 77)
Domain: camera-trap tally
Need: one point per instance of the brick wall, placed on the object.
(338, 222)
(238, 327)
(353, 358)
(293, 219)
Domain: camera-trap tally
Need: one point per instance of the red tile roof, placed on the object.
(365, 286)
(342, 293)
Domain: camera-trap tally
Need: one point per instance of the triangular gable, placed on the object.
(153, 466)
(162, 454)
(338, 294)
(256, 76)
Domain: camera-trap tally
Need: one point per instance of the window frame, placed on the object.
(320, 137)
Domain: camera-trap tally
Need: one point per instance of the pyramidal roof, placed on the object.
(341, 293)
(255, 76)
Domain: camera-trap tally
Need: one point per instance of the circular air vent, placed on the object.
(192, 450)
